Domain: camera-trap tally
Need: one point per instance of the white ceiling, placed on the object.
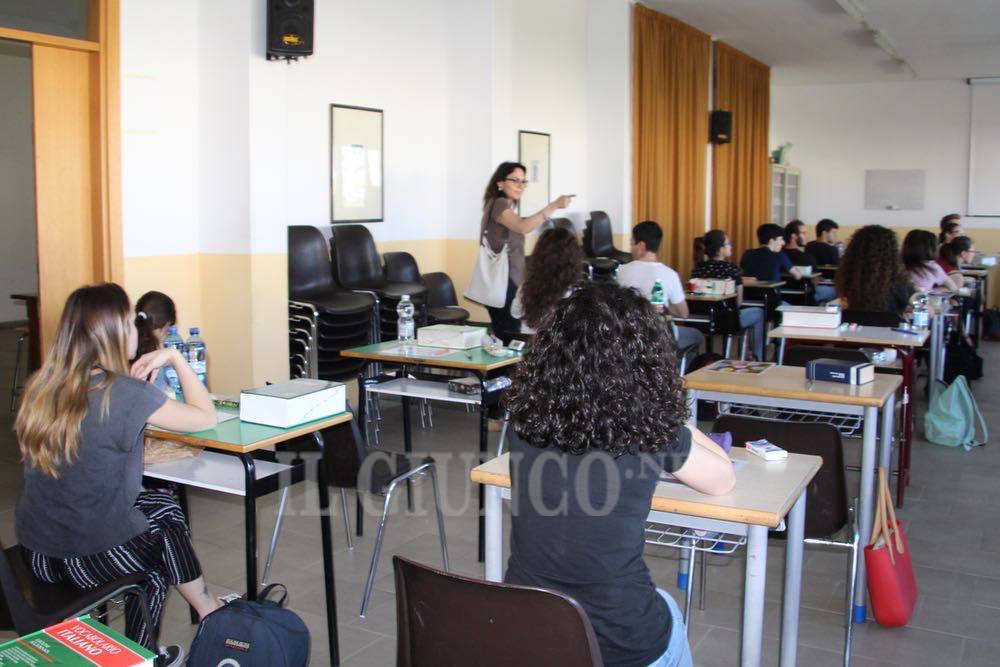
(815, 41)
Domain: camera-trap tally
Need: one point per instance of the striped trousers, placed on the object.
(164, 553)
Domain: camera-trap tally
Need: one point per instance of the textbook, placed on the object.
(816, 317)
(78, 642)
(291, 403)
(838, 370)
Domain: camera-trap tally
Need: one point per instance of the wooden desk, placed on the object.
(785, 387)
(476, 360)
(767, 284)
(708, 298)
(765, 493)
(34, 330)
(241, 440)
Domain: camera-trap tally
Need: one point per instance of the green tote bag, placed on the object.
(953, 417)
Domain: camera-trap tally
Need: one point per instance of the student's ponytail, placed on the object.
(709, 245)
(153, 310)
(699, 249)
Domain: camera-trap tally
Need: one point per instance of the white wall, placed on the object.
(839, 131)
(18, 253)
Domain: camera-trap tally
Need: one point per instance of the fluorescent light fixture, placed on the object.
(853, 9)
(883, 42)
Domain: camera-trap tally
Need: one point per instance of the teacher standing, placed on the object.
(501, 224)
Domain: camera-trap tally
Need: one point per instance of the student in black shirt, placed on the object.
(767, 262)
(795, 241)
(595, 424)
(871, 277)
(824, 248)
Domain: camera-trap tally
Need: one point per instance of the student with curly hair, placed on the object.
(553, 268)
(598, 413)
(870, 277)
(919, 251)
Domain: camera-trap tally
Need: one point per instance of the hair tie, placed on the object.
(142, 314)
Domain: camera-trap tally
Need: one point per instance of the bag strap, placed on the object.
(877, 524)
(267, 590)
(891, 511)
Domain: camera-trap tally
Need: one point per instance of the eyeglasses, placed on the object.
(518, 181)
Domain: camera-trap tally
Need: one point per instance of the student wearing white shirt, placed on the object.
(645, 269)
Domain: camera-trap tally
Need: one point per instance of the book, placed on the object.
(816, 317)
(287, 404)
(839, 370)
(766, 450)
(451, 335)
(77, 642)
(714, 286)
(740, 367)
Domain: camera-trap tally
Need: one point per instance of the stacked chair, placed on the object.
(442, 303)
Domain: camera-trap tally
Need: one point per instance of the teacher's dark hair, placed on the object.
(503, 171)
(601, 374)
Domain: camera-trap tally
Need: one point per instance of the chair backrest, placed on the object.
(355, 258)
(601, 239)
(310, 273)
(15, 612)
(799, 355)
(870, 318)
(343, 452)
(826, 496)
(400, 267)
(445, 619)
(440, 289)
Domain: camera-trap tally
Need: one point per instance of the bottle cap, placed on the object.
(195, 331)
(172, 330)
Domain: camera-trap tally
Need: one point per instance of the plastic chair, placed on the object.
(449, 620)
(30, 604)
(442, 302)
(598, 239)
(870, 318)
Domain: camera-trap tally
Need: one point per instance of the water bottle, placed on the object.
(197, 356)
(175, 342)
(656, 297)
(405, 328)
(921, 314)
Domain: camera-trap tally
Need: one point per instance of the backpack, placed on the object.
(991, 324)
(252, 634)
(961, 359)
(952, 418)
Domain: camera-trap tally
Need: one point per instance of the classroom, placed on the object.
(537, 332)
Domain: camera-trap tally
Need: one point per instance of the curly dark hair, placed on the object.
(553, 268)
(869, 268)
(600, 375)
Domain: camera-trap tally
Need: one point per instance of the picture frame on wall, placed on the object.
(356, 164)
(534, 152)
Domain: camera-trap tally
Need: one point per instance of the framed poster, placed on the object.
(356, 186)
(533, 151)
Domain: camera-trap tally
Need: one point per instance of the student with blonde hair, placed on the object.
(83, 516)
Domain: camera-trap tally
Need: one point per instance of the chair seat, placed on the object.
(387, 467)
(397, 290)
(447, 314)
(53, 603)
(340, 302)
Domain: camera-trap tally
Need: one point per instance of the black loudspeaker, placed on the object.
(721, 127)
(289, 29)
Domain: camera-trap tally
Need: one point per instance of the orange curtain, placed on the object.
(670, 70)
(741, 174)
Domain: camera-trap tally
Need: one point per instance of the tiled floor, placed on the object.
(952, 515)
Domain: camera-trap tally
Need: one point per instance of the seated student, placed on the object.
(795, 242)
(953, 255)
(919, 251)
(645, 269)
(767, 262)
(711, 253)
(824, 248)
(83, 516)
(950, 231)
(870, 277)
(553, 269)
(594, 424)
(155, 313)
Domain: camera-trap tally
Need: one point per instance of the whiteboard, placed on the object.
(984, 149)
(894, 189)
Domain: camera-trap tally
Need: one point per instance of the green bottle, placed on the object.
(656, 298)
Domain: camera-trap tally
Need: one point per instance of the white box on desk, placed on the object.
(817, 317)
(455, 336)
(291, 403)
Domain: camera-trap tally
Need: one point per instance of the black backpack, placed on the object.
(252, 634)
(961, 359)
(991, 324)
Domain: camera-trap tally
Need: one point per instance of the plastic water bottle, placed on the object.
(175, 342)
(921, 313)
(656, 297)
(405, 327)
(197, 356)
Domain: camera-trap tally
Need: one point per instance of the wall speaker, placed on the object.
(721, 127)
(289, 29)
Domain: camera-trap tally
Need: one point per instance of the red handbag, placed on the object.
(891, 584)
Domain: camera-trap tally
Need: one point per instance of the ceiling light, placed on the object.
(853, 9)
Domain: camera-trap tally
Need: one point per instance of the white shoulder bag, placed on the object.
(488, 285)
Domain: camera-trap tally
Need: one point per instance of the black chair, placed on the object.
(442, 302)
(831, 517)
(349, 464)
(401, 267)
(870, 318)
(357, 267)
(449, 620)
(30, 604)
(323, 318)
(800, 355)
(598, 239)
(601, 268)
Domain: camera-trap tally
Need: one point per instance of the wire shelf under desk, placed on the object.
(428, 389)
(849, 425)
(684, 538)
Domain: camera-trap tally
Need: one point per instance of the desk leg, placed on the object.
(888, 424)
(407, 446)
(866, 502)
(933, 372)
(327, 538)
(793, 582)
(909, 381)
(250, 524)
(494, 532)
(483, 444)
(781, 351)
(683, 566)
(753, 597)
